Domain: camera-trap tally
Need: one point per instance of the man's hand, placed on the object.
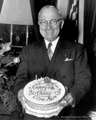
(68, 100)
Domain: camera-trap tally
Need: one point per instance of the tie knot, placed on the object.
(49, 45)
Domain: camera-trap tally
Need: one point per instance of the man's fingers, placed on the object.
(63, 103)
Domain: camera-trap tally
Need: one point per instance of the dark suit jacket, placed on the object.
(69, 65)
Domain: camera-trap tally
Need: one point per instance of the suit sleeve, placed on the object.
(82, 81)
(21, 75)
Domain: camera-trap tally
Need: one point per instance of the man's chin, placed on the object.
(49, 39)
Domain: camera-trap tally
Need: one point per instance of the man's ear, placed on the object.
(38, 23)
(62, 23)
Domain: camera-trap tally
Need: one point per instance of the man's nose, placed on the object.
(48, 25)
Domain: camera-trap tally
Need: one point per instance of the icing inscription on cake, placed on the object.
(42, 91)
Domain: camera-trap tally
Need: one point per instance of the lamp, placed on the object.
(16, 12)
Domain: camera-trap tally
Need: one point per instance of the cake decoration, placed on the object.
(43, 97)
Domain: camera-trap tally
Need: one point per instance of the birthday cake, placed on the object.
(43, 97)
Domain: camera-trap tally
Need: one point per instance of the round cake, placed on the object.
(43, 97)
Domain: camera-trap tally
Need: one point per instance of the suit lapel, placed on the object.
(41, 56)
(58, 59)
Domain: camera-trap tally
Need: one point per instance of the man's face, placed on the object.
(50, 24)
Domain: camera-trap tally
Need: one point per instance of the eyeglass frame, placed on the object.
(46, 22)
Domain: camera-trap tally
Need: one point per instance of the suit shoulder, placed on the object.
(29, 46)
(75, 45)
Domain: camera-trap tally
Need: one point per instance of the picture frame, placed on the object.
(18, 35)
(5, 32)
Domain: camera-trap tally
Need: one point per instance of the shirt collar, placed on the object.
(54, 43)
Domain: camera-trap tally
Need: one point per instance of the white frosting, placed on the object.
(42, 98)
(39, 113)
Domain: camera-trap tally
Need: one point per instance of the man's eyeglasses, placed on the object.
(52, 22)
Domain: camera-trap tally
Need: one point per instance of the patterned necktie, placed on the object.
(49, 51)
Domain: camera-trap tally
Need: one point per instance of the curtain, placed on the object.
(90, 40)
(89, 23)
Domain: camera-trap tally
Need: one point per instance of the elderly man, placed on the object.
(67, 63)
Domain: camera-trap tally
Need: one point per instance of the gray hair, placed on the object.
(50, 6)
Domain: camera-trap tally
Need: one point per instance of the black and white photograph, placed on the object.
(47, 59)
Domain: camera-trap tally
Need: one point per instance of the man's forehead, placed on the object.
(49, 8)
(49, 11)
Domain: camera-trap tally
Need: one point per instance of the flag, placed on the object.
(73, 18)
(73, 10)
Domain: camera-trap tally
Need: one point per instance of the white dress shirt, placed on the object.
(54, 43)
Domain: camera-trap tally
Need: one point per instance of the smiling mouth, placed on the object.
(49, 31)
